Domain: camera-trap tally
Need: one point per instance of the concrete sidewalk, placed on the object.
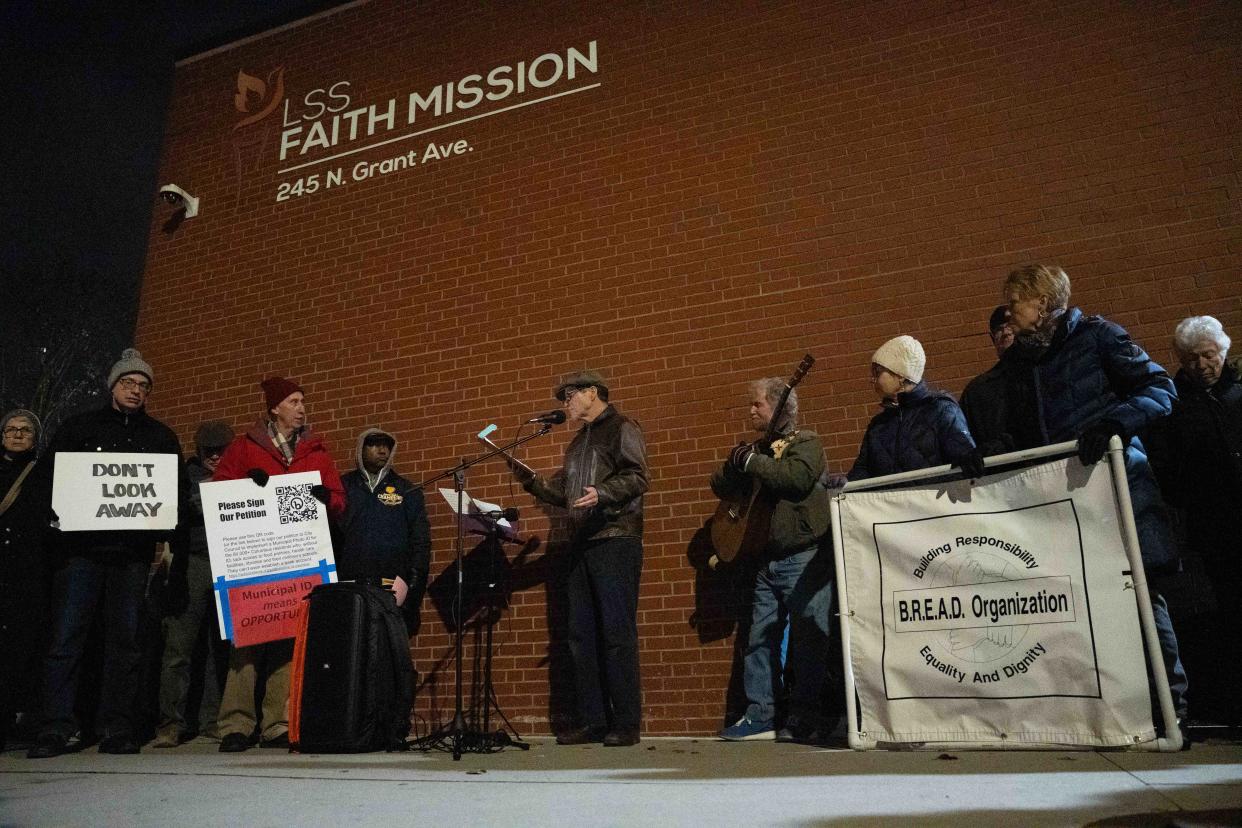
(659, 782)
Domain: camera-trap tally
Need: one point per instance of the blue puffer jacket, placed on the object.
(925, 428)
(1093, 371)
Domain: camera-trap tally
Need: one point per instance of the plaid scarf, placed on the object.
(284, 445)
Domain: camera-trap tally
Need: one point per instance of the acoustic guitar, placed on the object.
(742, 522)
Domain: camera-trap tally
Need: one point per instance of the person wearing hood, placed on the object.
(190, 607)
(103, 574)
(917, 427)
(1069, 376)
(278, 443)
(384, 536)
(23, 574)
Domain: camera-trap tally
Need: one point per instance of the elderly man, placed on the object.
(601, 484)
(1197, 454)
(279, 443)
(191, 607)
(103, 574)
(23, 574)
(793, 579)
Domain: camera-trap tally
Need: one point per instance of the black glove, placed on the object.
(320, 492)
(1093, 442)
(971, 464)
(740, 454)
(259, 476)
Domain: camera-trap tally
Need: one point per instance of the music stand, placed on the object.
(456, 734)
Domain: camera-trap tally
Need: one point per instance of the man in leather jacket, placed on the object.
(601, 484)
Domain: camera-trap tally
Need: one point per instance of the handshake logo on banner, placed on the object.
(991, 609)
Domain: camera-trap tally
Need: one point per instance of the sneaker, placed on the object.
(48, 745)
(168, 736)
(745, 730)
(234, 743)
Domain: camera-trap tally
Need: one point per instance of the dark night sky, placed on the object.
(85, 90)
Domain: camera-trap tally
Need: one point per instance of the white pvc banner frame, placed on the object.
(1010, 612)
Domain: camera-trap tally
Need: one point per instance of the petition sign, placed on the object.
(269, 546)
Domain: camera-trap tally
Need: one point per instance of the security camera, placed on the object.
(180, 198)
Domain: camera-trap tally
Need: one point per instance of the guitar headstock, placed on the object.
(801, 371)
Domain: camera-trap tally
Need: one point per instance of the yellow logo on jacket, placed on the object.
(389, 497)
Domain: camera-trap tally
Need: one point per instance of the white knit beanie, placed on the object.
(903, 355)
(131, 362)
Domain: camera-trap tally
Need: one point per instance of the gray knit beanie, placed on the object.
(131, 362)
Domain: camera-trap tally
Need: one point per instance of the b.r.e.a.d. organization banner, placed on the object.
(999, 612)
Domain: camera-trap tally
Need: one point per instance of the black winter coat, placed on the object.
(106, 429)
(23, 525)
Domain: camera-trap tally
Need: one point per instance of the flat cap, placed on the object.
(581, 379)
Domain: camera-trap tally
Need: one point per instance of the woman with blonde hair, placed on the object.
(1069, 376)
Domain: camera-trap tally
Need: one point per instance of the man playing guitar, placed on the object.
(794, 575)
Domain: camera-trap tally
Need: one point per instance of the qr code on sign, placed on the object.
(295, 504)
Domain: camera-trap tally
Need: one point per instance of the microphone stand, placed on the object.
(456, 733)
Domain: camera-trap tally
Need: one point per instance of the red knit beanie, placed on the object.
(276, 389)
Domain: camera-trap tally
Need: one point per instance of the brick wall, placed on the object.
(747, 183)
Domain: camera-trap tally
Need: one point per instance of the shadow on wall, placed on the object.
(722, 600)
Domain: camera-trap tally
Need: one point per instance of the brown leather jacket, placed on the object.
(610, 454)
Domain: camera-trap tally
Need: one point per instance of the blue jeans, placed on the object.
(603, 632)
(78, 588)
(797, 588)
(1173, 669)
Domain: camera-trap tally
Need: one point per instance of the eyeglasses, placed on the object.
(135, 385)
(18, 431)
(569, 392)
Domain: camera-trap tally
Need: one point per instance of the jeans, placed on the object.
(797, 587)
(77, 590)
(603, 612)
(181, 634)
(1173, 669)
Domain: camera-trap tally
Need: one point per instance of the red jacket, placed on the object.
(255, 450)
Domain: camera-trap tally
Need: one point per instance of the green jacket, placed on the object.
(800, 518)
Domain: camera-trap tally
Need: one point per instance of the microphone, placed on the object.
(510, 514)
(551, 418)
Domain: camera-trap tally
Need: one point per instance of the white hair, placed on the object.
(1194, 329)
(772, 388)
